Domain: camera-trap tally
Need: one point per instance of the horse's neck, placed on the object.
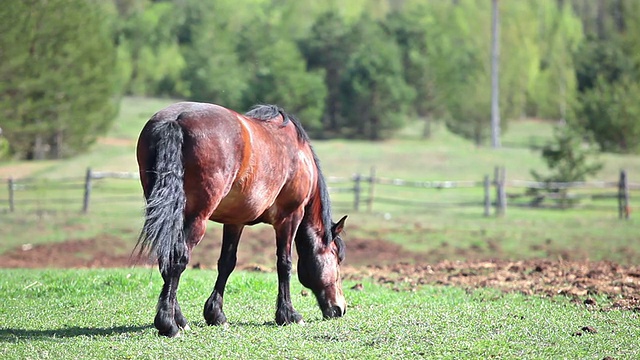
(313, 222)
(306, 242)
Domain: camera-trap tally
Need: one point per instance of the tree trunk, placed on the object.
(56, 150)
(618, 18)
(333, 100)
(38, 148)
(426, 131)
(374, 130)
(495, 96)
(600, 18)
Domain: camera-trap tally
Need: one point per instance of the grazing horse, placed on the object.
(202, 162)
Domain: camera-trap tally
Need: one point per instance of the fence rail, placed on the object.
(366, 190)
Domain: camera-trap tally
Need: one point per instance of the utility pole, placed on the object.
(495, 79)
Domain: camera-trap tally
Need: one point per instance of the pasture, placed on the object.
(101, 314)
(108, 313)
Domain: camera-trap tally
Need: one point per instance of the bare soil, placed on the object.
(376, 259)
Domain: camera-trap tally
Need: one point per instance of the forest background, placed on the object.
(350, 69)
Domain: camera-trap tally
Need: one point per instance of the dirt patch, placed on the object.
(116, 141)
(580, 280)
(89, 253)
(257, 248)
(381, 261)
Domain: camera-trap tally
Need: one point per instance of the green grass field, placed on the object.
(107, 314)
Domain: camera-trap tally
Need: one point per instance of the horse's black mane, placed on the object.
(267, 112)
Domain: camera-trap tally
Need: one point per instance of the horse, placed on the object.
(200, 162)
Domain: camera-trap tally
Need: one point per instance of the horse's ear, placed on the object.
(337, 228)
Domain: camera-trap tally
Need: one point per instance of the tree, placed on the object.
(569, 159)
(495, 77)
(601, 18)
(280, 77)
(410, 30)
(461, 56)
(601, 60)
(608, 73)
(459, 44)
(148, 45)
(458, 53)
(327, 48)
(57, 78)
(277, 72)
(611, 112)
(376, 97)
(213, 70)
(4, 146)
(553, 89)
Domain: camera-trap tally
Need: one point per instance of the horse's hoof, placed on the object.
(186, 327)
(215, 317)
(224, 323)
(170, 335)
(286, 315)
(301, 322)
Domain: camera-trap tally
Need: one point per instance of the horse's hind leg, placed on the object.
(168, 309)
(213, 313)
(169, 318)
(194, 232)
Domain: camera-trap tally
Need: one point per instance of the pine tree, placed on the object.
(57, 76)
(569, 159)
(376, 97)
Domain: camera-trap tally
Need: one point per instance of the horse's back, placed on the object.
(235, 167)
(187, 107)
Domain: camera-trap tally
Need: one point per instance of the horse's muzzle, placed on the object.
(334, 312)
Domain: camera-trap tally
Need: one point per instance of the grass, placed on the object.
(522, 234)
(69, 314)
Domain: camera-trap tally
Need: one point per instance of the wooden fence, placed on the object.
(364, 191)
(497, 193)
(69, 193)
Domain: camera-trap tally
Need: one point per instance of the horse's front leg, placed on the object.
(285, 232)
(213, 313)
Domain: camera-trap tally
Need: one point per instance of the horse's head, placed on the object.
(319, 270)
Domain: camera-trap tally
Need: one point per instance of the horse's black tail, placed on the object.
(162, 237)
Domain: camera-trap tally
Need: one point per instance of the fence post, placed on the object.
(487, 196)
(496, 182)
(501, 195)
(356, 192)
(10, 184)
(372, 181)
(503, 191)
(87, 191)
(623, 196)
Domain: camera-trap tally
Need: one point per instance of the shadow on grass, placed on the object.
(272, 323)
(8, 335)
(13, 335)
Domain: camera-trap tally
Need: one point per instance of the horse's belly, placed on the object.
(239, 208)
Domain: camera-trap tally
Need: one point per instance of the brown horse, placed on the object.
(202, 162)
